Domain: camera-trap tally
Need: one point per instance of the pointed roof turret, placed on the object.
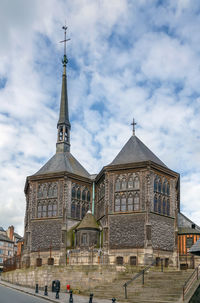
(135, 151)
(88, 222)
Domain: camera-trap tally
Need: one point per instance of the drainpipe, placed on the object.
(93, 197)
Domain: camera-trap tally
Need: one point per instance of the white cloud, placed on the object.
(127, 58)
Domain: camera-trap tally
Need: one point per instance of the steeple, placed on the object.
(63, 126)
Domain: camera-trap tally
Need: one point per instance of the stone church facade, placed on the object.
(133, 204)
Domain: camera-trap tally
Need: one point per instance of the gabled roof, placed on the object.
(195, 249)
(135, 151)
(88, 222)
(184, 224)
(5, 238)
(63, 162)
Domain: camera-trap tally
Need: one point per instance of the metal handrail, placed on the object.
(189, 282)
(137, 276)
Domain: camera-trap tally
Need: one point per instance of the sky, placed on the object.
(127, 58)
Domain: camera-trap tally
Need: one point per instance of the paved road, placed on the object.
(8, 295)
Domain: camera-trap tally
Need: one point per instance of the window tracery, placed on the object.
(136, 182)
(161, 202)
(130, 183)
(123, 183)
(126, 202)
(127, 192)
(80, 201)
(136, 202)
(46, 200)
(130, 202)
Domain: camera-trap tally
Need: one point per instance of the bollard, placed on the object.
(71, 297)
(36, 288)
(45, 291)
(91, 297)
(113, 300)
(162, 265)
(57, 294)
(125, 289)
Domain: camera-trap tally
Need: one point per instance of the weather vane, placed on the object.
(64, 61)
(133, 124)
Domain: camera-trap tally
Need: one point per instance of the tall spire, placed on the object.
(63, 126)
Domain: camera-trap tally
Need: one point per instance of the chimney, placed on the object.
(11, 232)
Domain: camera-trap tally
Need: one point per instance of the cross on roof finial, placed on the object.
(133, 124)
(64, 61)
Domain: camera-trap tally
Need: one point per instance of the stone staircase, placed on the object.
(159, 287)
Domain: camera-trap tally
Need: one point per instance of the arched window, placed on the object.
(73, 192)
(117, 184)
(66, 135)
(73, 209)
(40, 191)
(77, 211)
(45, 191)
(136, 183)
(50, 191)
(50, 210)
(83, 211)
(88, 196)
(44, 211)
(168, 191)
(55, 209)
(117, 203)
(83, 195)
(168, 207)
(159, 205)
(164, 187)
(55, 191)
(156, 184)
(130, 202)
(136, 202)
(164, 206)
(61, 133)
(123, 203)
(130, 182)
(39, 211)
(123, 183)
(155, 204)
(78, 194)
(159, 185)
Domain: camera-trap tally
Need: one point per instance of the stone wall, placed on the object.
(79, 277)
(163, 233)
(45, 233)
(126, 230)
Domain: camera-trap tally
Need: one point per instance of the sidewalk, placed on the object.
(63, 297)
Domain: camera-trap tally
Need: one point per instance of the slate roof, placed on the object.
(188, 230)
(63, 162)
(5, 238)
(195, 249)
(185, 225)
(135, 151)
(1, 228)
(88, 222)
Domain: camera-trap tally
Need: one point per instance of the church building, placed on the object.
(125, 214)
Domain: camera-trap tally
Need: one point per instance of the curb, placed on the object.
(30, 293)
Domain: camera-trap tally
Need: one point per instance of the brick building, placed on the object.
(8, 244)
(134, 200)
